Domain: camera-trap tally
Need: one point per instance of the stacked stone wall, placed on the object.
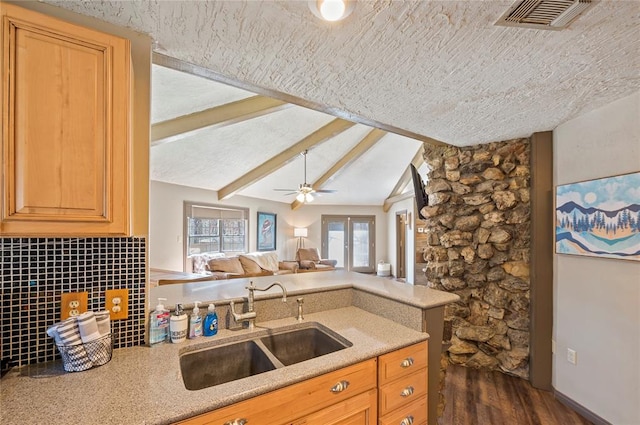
(477, 246)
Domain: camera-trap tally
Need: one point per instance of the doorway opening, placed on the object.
(401, 243)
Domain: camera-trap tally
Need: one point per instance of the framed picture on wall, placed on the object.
(266, 231)
(599, 218)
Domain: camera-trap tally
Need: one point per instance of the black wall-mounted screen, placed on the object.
(422, 199)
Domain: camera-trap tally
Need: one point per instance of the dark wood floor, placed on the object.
(478, 397)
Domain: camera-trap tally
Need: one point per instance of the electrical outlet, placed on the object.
(572, 356)
(73, 304)
(117, 302)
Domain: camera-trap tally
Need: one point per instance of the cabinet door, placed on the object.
(66, 141)
(358, 410)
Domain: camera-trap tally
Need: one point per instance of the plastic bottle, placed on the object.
(195, 322)
(159, 324)
(211, 321)
(178, 325)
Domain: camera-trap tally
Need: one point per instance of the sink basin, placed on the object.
(214, 366)
(258, 353)
(303, 344)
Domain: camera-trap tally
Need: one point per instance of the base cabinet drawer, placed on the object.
(402, 362)
(403, 391)
(412, 414)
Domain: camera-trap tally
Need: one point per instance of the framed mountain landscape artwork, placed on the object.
(600, 218)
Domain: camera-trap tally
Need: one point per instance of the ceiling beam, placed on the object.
(404, 180)
(323, 134)
(364, 145)
(398, 198)
(177, 64)
(218, 116)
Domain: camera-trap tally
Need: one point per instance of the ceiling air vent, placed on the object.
(544, 14)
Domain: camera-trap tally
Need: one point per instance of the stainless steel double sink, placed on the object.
(258, 353)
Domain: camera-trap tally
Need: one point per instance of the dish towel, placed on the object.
(100, 355)
(104, 322)
(88, 327)
(75, 357)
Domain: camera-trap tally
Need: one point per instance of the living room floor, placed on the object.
(476, 396)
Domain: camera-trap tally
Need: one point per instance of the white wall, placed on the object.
(166, 222)
(597, 301)
(407, 205)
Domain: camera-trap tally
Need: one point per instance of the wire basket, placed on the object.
(83, 356)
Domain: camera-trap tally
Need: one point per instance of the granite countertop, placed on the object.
(143, 385)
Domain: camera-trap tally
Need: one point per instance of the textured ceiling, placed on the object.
(439, 69)
(436, 68)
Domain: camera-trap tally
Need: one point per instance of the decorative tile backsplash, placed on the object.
(35, 271)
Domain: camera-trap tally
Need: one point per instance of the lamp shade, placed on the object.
(300, 232)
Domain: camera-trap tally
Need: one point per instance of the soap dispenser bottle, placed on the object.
(211, 321)
(159, 324)
(178, 325)
(195, 322)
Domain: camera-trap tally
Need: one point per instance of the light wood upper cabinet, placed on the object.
(65, 128)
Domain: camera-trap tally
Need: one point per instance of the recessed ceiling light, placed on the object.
(331, 10)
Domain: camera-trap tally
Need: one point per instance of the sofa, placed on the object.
(218, 266)
(309, 260)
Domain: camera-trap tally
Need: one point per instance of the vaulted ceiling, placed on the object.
(210, 135)
(427, 70)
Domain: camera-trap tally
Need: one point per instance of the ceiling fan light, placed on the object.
(300, 197)
(308, 197)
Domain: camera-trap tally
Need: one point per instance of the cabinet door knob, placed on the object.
(339, 387)
(239, 421)
(406, 362)
(407, 391)
(407, 421)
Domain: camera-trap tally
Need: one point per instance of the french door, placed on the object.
(350, 240)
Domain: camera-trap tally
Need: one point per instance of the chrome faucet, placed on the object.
(250, 315)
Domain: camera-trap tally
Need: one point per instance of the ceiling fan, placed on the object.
(305, 190)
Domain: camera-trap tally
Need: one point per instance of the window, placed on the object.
(214, 228)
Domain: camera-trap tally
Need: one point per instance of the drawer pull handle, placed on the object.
(407, 391)
(406, 362)
(407, 421)
(339, 387)
(239, 421)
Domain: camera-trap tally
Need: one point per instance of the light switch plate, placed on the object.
(73, 304)
(117, 302)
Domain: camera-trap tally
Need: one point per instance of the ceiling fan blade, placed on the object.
(287, 190)
(325, 191)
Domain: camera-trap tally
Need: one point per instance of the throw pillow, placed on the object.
(249, 266)
(228, 265)
(308, 254)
